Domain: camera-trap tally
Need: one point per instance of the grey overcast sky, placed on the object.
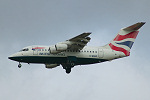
(46, 22)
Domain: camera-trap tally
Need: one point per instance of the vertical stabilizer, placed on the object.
(125, 38)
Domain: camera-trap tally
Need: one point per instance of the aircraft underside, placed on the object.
(58, 60)
(66, 62)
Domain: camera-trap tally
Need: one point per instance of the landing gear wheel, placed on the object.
(68, 70)
(19, 65)
(72, 64)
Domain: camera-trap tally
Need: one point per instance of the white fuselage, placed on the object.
(88, 55)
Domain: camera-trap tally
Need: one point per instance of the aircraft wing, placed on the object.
(78, 42)
(75, 43)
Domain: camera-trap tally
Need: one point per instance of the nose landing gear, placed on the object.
(19, 66)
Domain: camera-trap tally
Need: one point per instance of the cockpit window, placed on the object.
(26, 49)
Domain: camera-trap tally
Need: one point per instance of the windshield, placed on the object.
(26, 49)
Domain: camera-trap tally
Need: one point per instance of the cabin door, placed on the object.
(100, 53)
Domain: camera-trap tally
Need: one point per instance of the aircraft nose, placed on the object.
(13, 57)
(10, 57)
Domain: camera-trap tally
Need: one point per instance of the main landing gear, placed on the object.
(68, 70)
(19, 65)
(67, 66)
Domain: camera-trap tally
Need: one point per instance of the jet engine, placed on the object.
(50, 66)
(58, 48)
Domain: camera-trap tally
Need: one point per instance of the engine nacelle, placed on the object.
(53, 50)
(61, 47)
(51, 65)
(58, 48)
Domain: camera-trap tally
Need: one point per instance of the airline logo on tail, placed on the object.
(124, 43)
(125, 38)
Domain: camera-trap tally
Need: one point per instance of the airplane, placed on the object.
(75, 51)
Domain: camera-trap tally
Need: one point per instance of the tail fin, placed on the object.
(125, 38)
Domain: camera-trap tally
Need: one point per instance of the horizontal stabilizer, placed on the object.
(134, 27)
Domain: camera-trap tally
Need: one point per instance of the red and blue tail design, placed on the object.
(125, 38)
